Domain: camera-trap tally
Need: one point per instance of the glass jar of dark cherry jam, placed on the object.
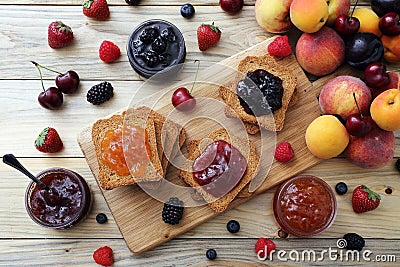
(65, 204)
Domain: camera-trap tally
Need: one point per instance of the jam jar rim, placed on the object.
(278, 212)
(86, 198)
(147, 73)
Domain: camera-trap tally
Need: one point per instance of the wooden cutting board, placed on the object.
(138, 216)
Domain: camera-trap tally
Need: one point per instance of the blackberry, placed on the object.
(151, 58)
(132, 2)
(187, 11)
(354, 241)
(148, 35)
(100, 93)
(211, 254)
(398, 165)
(138, 48)
(233, 226)
(341, 188)
(159, 45)
(101, 218)
(172, 211)
(168, 34)
(165, 59)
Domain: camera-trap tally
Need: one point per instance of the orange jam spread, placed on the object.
(136, 146)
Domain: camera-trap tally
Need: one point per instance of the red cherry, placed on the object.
(182, 100)
(389, 24)
(52, 98)
(375, 75)
(68, 82)
(359, 125)
(231, 6)
(346, 25)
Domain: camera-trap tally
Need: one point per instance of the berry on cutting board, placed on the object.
(100, 93)
(280, 47)
(284, 152)
(108, 51)
(104, 256)
(187, 11)
(364, 199)
(264, 247)
(211, 254)
(354, 241)
(182, 98)
(172, 211)
(48, 141)
(233, 226)
(101, 218)
(341, 188)
(96, 9)
(208, 35)
(59, 34)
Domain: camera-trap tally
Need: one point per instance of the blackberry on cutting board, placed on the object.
(100, 93)
(172, 211)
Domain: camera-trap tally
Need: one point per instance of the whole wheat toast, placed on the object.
(220, 204)
(272, 122)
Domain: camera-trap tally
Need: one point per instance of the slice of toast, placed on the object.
(272, 122)
(108, 178)
(247, 149)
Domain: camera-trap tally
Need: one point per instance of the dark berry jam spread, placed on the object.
(219, 168)
(155, 45)
(260, 93)
(61, 203)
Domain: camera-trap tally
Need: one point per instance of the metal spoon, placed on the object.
(11, 160)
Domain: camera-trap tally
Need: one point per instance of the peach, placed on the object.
(374, 150)
(391, 45)
(309, 15)
(273, 15)
(369, 20)
(385, 110)
(394, 82)
(336, 96)
(320, 53)
(326, 137)
(336, 8)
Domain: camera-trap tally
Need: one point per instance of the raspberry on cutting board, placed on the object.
(280, 47)
(284, 152)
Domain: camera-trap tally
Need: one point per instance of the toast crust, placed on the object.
(272, 122)
(248, 150)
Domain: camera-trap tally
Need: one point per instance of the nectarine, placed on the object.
(385, 110)
(391, 45)
(273, 15)
(309, 15)
(369, 20)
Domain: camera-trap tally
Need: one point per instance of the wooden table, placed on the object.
(23, 37)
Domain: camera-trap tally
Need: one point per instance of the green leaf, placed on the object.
(40, 140)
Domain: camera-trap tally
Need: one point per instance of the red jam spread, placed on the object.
(304, 206)
(61, 203)
(219, 168)
(137, 150)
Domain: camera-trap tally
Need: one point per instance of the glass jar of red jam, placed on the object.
(65, 204)
(304, 206)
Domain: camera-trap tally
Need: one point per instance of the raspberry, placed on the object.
(108, 51)
(284, 152)
(104, 256)
(262, 244)
(280, 47)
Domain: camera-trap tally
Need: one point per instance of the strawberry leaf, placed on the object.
(87, 3)
(371, 194)
(40, 140)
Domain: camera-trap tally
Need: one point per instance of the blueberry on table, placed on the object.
(233, 226)
(101, 218)
(187, 11)
(211, 254)
(341, 188)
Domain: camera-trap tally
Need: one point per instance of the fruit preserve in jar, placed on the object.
(219, 168)
(65, 204)
(304, 206)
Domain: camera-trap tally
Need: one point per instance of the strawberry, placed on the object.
(364, 199)
(104, 256)
(108, 51)
(96, 9)
(280, 47)
(48, 141)
(207, 36)
(284, 152)
(263, 244)
(59, 34)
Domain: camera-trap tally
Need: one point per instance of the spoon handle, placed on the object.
(11, 160)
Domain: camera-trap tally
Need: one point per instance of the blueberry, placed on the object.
(211, 254)
(101, 218)
(233, 226)
(397, 164)
(341, 188)
(187, 11)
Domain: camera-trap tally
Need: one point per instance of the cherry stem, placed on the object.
(359, 110)
(195, 77)
(40, 74)
(46, 68)
(354, 7)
